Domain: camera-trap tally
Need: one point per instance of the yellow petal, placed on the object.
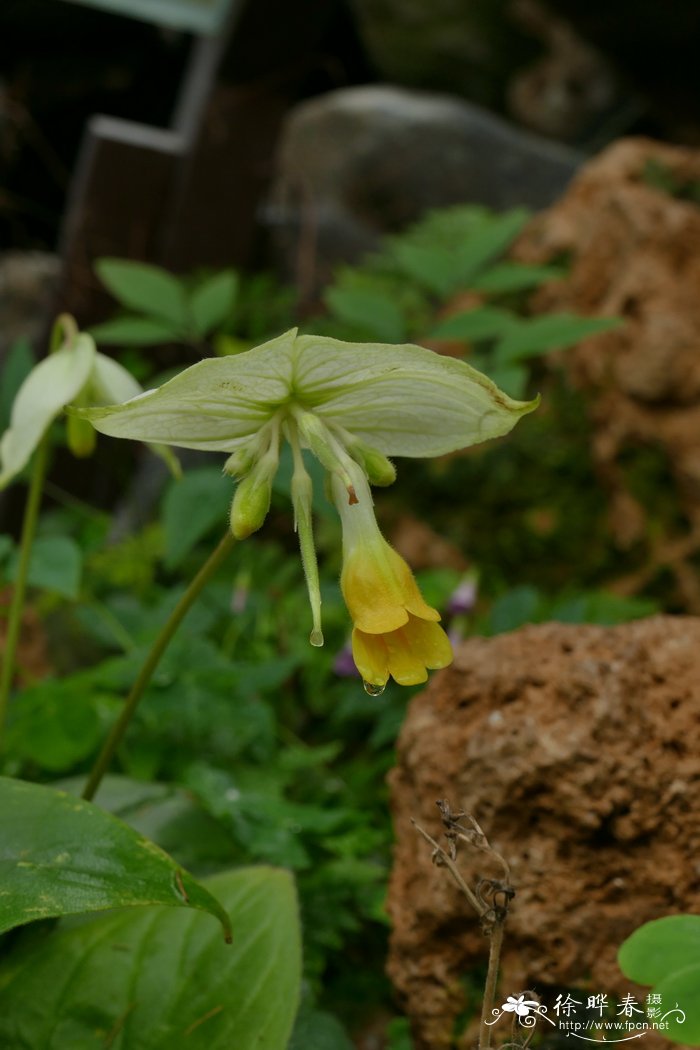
(379, 589)
(430, 641)
(371, 657)
(406, 653)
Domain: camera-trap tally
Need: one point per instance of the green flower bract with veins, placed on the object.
(352, 405)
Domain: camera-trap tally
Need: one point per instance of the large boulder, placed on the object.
(575, 748)
(356, 163)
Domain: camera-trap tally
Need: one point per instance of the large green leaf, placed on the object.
(60, 855)
(161, 979)
(149, 289)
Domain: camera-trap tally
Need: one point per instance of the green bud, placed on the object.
(240, 462)
(81, 436)
(251, 501)
(378, 468)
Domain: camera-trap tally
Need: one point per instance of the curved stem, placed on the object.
(14, 618)
(152, 660)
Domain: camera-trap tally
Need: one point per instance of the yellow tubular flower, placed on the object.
(395, 632)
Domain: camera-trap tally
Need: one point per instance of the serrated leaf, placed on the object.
(515, 277)
(212, 302)
(161, 978)
(539, 335)
(484, 322)
(135, 331)
(147, 289)
(63, 856)
(191, 507)
(372, 312)
(485, 244)
(56, 564)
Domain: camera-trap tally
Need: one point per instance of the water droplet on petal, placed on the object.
(373, 690)
(316, 638)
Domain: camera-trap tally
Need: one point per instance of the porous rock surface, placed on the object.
(576, 749)
(630, 225)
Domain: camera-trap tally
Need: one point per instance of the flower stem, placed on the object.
(14, 618)
(151, 662)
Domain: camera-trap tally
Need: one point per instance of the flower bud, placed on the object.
(81, 436)
(378, 468)
(240, 462)
(251, 501)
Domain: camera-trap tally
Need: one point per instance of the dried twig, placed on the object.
(490, 901)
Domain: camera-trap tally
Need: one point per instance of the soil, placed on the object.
(575, 748)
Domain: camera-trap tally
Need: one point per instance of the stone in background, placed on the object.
(359, 162)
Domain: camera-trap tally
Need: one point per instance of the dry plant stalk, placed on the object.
(490, 899)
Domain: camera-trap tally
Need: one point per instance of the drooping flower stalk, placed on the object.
(151, 662)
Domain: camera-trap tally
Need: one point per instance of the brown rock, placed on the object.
(576, 750)
(635, 253)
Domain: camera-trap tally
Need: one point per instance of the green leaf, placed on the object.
(665, 953)
(487, 242)
(161, 978)
(515, 277)
(518, 606)
(660, 947)
(145, 288)
(192, 506)
(212, 302)
(54, 730)
(683, 988)
(56, 564)
(318, 1030)
(374, 312)
(135, 331)
(539, 335)
(433, 268)
(62, 856)
(482, 323)
(18, 365)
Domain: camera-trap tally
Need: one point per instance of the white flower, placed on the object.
(75, 374)
(352, 405)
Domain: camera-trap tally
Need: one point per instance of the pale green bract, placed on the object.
(351, 404)
(75, 372)
(401, 400)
